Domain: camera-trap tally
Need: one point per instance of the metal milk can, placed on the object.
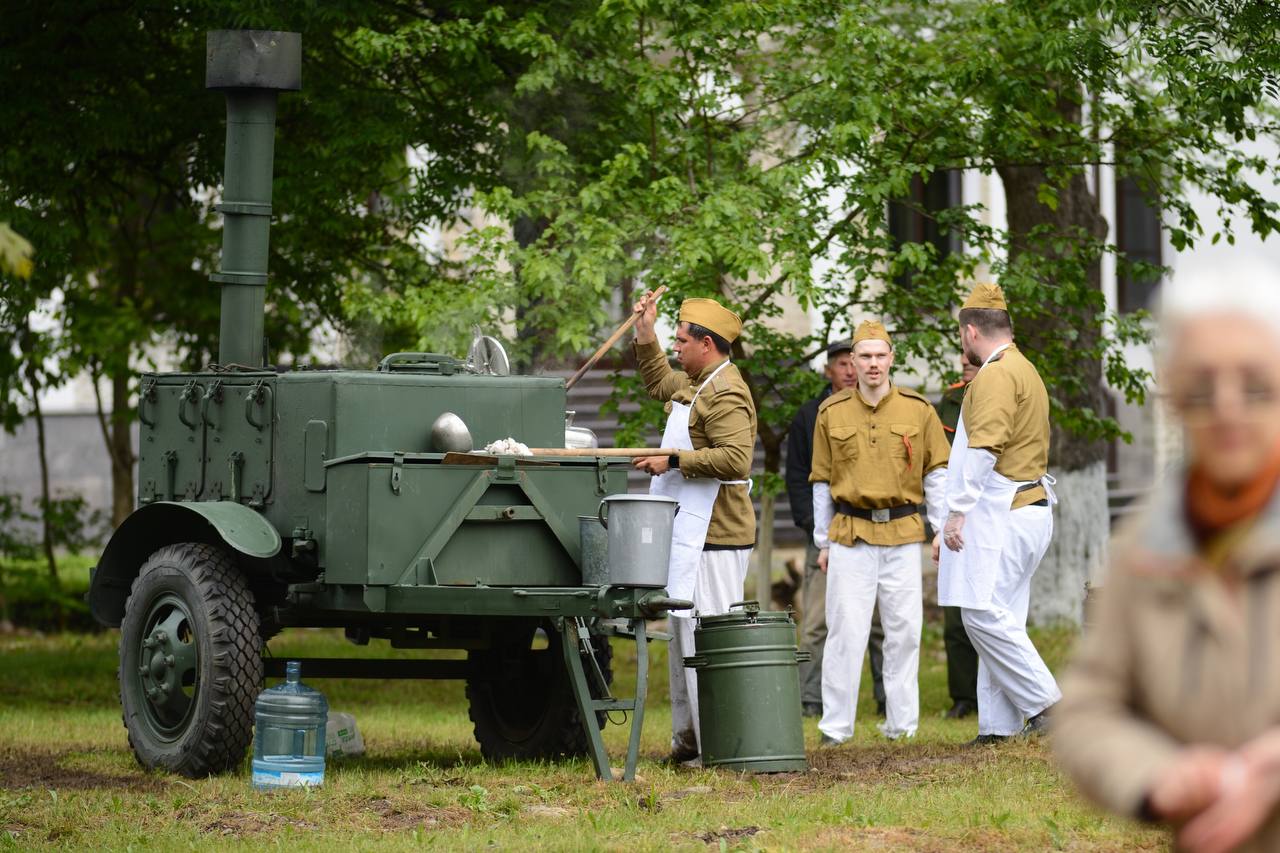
(749, 690)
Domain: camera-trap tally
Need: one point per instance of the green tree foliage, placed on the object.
(750, 150)
(577, 152)
(113, 155)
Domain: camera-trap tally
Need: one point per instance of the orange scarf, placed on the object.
(1212, 511)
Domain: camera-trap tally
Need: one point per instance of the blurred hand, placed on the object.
(1190, 785)
(1248, 791)
(937, 547)
(951, 531)
(647, 314)
(652, 465)
(823, 556)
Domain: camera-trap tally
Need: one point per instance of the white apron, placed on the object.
(697, 496)
(967, 577)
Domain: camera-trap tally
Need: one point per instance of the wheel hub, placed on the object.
(167, 664)
(161, 666)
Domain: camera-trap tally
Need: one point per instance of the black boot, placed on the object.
(1037, 725)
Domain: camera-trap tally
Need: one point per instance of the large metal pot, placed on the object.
(749, 690)
(639, 532)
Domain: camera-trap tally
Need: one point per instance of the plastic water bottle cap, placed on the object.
(293, 671)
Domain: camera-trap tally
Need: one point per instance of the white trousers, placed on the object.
(857, 578)
(1013, 682)
(720, 583)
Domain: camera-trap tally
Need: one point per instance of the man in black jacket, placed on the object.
(813, 590)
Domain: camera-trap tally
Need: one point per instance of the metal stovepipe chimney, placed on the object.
(251, 67)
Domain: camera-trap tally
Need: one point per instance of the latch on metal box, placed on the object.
(397, 470)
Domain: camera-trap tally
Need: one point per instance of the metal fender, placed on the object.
(153, 526)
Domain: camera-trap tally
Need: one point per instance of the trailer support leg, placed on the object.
(570, 645)
(575, 641)
(642, 690)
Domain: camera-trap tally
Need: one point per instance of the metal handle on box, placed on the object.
(259, 395)
(190, 394)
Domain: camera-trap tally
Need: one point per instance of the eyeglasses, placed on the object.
(1210, 392)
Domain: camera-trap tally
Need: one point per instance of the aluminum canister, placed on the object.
(749, 690)
(595, 551)
(639, 531)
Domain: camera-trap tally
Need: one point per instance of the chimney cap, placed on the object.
(253, 59)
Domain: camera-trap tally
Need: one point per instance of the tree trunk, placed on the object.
(46, 529)
(529, 350)
(120, 449)
(1081, 525)
(764, 552)
(46, 499)
(768, 501)
(1081, 531)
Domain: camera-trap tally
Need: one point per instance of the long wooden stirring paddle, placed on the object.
(613, 339)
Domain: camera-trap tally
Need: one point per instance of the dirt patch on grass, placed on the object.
(727, 835)
(890, 764)
(237, 824)
(874, 763)
(392, 818)
(904, 838)
(25, 768)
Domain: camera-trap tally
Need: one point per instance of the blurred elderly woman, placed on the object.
(1171, 709)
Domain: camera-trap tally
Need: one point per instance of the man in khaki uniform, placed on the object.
(999, 520)
(878, 453)
(711, 421)
(813, 587)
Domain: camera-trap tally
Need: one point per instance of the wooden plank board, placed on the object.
(486, 461)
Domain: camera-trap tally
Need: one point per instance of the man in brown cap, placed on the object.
(999, 520)
(878, 453)
(711, 421)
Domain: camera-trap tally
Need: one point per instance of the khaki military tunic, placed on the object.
(876, 457)
(722, 427)
(1006, 411)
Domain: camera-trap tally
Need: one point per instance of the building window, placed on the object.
(910, 220)
(1138, 237)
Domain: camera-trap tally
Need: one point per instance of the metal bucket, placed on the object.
(749, 691)
(639, 530)
(595, 551)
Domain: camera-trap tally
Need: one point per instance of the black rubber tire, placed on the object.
(193, 605)
(521, 702)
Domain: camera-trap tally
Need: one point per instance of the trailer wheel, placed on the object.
(190, 661)
(521, 701)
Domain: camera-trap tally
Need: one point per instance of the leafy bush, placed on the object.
(29, 596)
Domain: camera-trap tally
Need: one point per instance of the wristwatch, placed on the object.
(674, 460)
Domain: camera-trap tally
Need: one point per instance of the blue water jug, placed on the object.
(288, 740)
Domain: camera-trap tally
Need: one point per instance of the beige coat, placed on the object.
(1172, 656)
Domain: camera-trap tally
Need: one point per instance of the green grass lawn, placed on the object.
(68, 779)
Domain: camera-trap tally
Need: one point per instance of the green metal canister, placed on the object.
(749, 690)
